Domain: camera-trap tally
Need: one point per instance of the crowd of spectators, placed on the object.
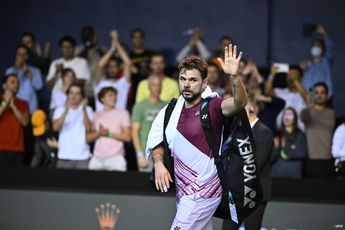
(92, 108)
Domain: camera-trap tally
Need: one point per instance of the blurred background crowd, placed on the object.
(91, 105)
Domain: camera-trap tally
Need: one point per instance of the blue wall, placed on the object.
(253, 24)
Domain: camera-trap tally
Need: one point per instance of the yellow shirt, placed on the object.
(169, 90)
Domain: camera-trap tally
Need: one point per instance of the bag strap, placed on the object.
(212, 143)
(167, 115)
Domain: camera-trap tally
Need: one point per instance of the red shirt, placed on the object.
(11, 131)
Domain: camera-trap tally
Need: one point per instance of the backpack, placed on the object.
(236, 165)
(168, 160)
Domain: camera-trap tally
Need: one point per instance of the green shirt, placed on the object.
(144, 113)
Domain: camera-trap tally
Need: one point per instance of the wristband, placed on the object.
(232, 76)
(3, 104)
(64, 113)
(110, 134)
(140, 154)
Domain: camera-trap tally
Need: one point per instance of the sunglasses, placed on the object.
(289, 116)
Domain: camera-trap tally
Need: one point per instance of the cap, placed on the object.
(38, 121)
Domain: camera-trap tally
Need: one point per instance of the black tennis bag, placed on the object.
(236, 165)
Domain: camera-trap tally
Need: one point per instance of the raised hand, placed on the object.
(231, 61)
(114, 35)
(102, 131)
(46, 49)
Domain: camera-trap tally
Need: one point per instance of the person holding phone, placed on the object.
(295, 95)
(318, 67)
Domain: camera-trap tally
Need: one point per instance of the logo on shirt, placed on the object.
(107, 215)
(197, 113)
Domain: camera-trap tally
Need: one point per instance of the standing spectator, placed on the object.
(143, 114)
(290, 147)
(73, 121)
(263, 139)
(319, 125)
(40, 60)
(215, 79)
(112, 76)
(69, 60)
(140, 58)
(338, 149)
(36, 57)
(30, 78)
(59, 97)
(14, 115)
(269, 106)
(112, 127)
(294, 95)
(224, 41)
(195, 46)
(318, 69)
(169, 85)
(92, 52)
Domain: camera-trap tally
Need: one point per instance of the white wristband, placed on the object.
(140, 154)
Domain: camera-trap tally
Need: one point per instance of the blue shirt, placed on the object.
(321, 71)
(27, 87)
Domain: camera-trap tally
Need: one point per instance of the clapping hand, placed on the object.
(102, 131)
(231, 61)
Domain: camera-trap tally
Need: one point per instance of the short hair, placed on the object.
(66, 70)
(21, 46)
(7, 76)
(296, 67)
(87, 33)
(137, 30)
(69, 39)
(104, 91)
(78, 86)
(157, 54)
(194, 62)
(226, 37)
(28, 34)
(212, 64)
(322, 84)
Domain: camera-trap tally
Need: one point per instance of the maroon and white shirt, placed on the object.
(195, 171)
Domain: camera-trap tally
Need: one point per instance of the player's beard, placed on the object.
(192, 97)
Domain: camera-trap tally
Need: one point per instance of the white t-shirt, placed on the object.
(121, 85)
(59, 98)
(72, 135)
(292, 99)
(79, 66)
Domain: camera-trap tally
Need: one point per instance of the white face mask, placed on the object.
(315, 51)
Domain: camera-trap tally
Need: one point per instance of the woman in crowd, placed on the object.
(290, 147)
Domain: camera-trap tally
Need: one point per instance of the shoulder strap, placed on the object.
(212, 143)
(167, 115)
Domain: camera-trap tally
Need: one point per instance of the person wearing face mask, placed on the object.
(318, 68)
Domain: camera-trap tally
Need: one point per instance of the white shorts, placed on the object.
(112, 163)
(195, 212)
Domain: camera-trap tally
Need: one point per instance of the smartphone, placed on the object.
(281, 67)
(308, 29)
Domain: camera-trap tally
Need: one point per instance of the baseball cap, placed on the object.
(38, 121)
